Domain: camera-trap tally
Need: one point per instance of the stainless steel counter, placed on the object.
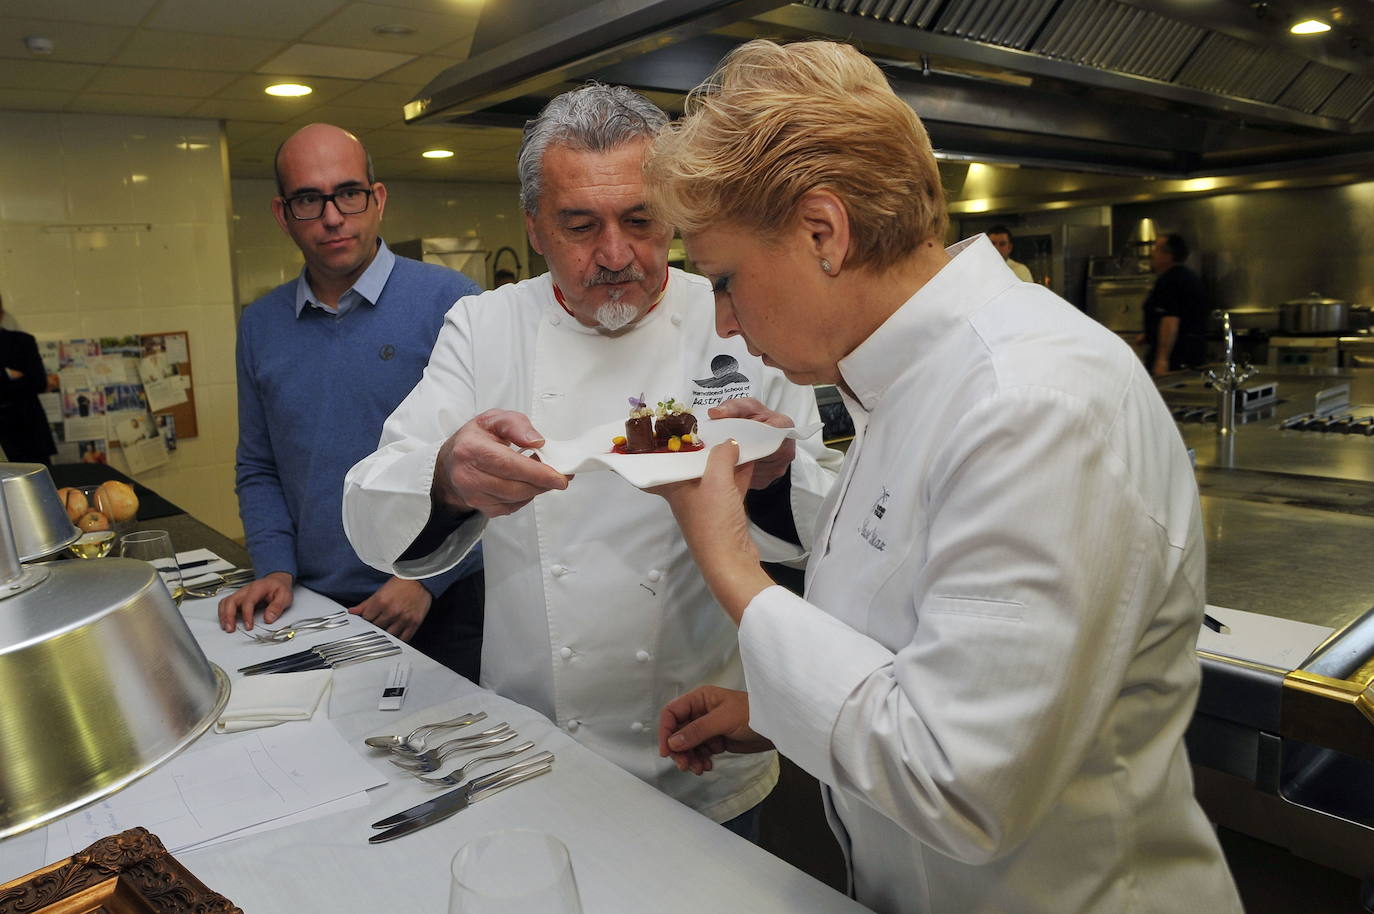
(1288, 755)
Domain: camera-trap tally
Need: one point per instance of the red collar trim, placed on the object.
(562, 303)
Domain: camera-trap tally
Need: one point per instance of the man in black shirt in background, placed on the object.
(1175, 311)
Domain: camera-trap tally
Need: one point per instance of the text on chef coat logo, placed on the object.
(869, 528)
(726, 383)
(387, 352)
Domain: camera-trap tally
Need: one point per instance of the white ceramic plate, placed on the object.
(592, 451)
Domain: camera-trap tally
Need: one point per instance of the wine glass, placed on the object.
(513, 872)
(155, 547)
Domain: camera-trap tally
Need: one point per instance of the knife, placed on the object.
(459, 796)
(441, 807)
(369, 639)
(329, 663)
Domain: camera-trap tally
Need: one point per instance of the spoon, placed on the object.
(403, 742)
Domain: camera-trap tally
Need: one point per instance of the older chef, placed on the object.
(994, 663)
(596, 615)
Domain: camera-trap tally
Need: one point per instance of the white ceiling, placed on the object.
(213, 58)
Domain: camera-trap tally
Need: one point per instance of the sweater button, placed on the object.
(572, 725)
(642, 656)
(565, 652)
(558, 570)
(637, 727)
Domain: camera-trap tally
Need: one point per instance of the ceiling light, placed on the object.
(288, 90)
(1309, 27)
(437, 153)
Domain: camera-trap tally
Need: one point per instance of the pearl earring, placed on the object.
(825, 265)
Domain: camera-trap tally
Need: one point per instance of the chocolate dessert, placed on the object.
(673, 421)
(639, 428)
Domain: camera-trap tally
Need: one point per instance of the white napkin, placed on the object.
(268, 700)
(209, 571)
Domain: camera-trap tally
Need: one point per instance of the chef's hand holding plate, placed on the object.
(766, 469)
(271, 593)
(710, 511)
(477, 470)
(705, 722)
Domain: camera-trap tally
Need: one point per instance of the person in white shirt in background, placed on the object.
(1000, 236)
(595, 613)
(993, 666)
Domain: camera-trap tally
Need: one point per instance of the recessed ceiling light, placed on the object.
(288, 90)
(437, 153)
(393, 31)
(1309, 27)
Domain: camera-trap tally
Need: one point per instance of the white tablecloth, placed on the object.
(633, 849)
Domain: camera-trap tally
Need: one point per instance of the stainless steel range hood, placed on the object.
(1164, 87)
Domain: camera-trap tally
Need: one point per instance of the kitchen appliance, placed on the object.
(102, 679)
(1356, 351)
(1314, 313)
(1304, 351)
(1058, 255)
(466, 255)
(1116, 292)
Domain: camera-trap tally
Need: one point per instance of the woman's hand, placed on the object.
(706, 721)
(710, 511)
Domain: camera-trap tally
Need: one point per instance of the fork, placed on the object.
(431, 760)
(287, 632)
(455, 777)
(209, 588)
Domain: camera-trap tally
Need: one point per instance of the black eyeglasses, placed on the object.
(310, 205)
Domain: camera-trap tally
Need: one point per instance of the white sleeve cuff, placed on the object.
(800, 666)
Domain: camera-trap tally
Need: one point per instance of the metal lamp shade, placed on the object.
(40, 522)
(102, 682)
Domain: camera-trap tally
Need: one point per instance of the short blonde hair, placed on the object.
(775, 122)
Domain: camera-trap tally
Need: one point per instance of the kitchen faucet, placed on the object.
(1227, 380)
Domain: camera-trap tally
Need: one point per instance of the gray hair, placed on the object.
(594, 118)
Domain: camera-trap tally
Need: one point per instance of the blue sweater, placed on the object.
(314, 390)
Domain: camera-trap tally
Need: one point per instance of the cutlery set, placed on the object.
(409, 752)
(368, 646)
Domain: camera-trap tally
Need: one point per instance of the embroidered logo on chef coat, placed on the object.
(726, 383)
(869, 528)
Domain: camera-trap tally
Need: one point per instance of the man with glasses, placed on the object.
(322, 361)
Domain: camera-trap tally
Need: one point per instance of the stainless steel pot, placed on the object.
(1314, 313)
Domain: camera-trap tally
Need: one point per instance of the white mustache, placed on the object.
(608, 277)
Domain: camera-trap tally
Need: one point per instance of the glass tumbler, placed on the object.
(519, 871)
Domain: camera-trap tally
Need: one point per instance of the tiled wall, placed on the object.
(66, 182)
(265, 257)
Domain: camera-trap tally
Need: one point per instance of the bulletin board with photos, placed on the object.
(134, 392)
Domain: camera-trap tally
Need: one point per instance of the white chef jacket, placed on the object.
(995, 662)
(595, 612)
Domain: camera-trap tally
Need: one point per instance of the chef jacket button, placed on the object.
(558, 570)
(642, 656)
(565, 652)
(677, 320)
(555, 320)
(637, 727)
(655, 574)
(573, 725)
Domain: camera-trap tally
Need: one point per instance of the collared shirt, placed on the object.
(994, 665)
(367, 289)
